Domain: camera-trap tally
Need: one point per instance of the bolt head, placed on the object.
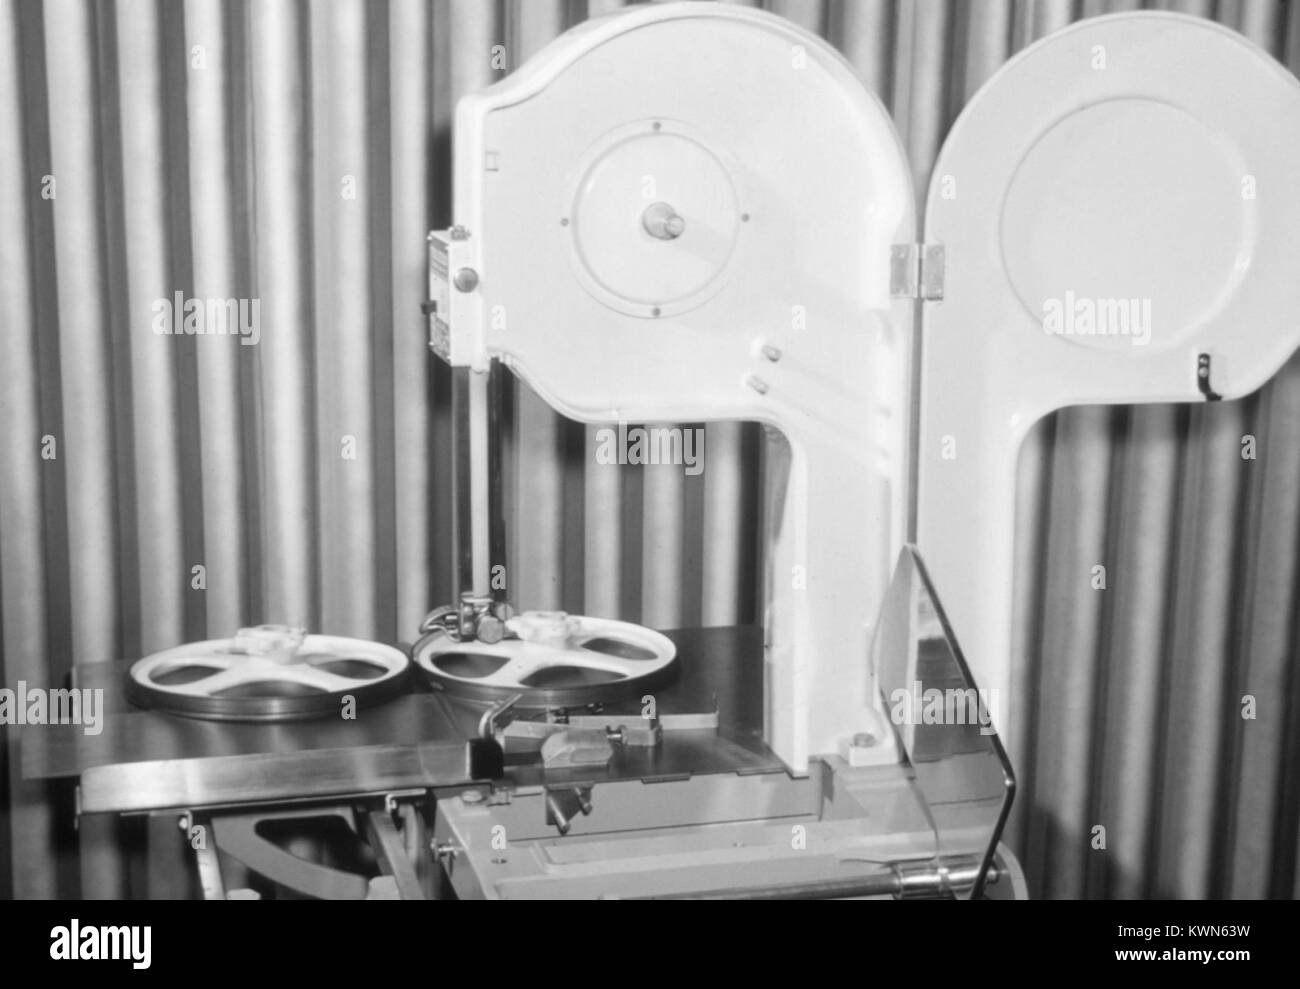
(466, 280)
(490, 629)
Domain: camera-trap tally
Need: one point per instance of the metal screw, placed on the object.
(466, 279)
(444, 850)
(558, 817)
(472, 796)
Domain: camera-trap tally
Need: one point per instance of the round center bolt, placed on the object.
(661, 220)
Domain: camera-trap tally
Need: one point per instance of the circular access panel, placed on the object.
(653, 220)
(1127, 224)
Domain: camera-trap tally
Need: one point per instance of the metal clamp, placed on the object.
(565, 803)
(478, 617)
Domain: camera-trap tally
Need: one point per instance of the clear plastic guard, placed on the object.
(944, 725)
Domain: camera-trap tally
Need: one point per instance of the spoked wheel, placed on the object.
(267, 673)
(556, 660)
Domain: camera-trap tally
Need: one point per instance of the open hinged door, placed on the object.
(1120, 220)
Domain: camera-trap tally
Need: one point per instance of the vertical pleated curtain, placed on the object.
(296, 152)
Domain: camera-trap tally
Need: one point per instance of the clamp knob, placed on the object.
(661, 220)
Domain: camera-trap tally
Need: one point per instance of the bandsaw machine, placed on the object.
(689, 212)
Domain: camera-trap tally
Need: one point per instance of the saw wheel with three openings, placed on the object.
(558, 660)
(267, 673)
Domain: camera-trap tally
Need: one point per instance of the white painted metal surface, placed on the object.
(769, 301)
(1118, 200)
(685, 213)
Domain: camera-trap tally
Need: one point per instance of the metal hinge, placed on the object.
(916, 271)
(438, 305)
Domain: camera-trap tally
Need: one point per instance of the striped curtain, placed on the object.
(162, 488)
